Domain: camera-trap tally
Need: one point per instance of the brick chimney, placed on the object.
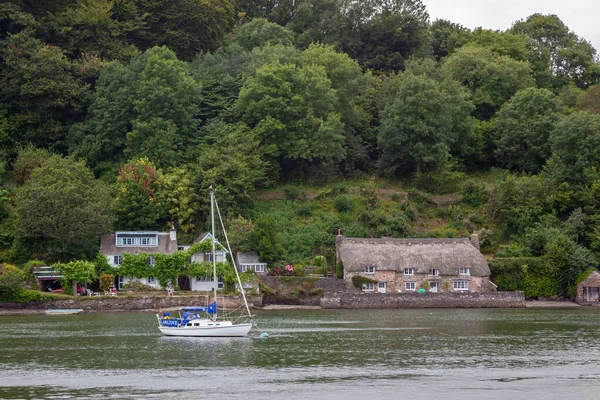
(474, 238)
(173, 234)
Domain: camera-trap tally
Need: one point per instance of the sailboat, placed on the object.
(204, 321)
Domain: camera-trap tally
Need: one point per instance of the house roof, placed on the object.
(247, 258)
(108, 245)
(592, 280)
(447, 255)
(201, 237)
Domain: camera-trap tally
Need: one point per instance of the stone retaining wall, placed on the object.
(127, 303)
(424, 300)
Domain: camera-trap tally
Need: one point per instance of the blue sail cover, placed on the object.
(211, 309)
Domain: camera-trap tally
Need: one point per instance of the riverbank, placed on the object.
(42, 311)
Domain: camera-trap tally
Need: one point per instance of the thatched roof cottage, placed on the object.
(407, 265)
(588, 291)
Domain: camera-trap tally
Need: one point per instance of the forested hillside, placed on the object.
(308, 116)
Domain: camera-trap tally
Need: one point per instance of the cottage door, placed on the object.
(381, 287)
(433, 287)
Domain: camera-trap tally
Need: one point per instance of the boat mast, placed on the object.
(214, 256)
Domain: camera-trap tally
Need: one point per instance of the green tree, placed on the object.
(145, 109)
(265, 239)
(557, 54)
(447, 36)
(382, 34)
(139, 203)
(93, 27)
(232, 162)
(523, 127)
(75, 272)
(292, 109)
(423, 123)
(260, 32)
(180, 199)
(590, 100)
(165, 106)
(491, 78)
(576, 142)
(63, 210)
(187, 27)
(39, 92)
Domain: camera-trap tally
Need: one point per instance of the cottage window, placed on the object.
(410, 286)
(409, 271)
(151, 261)
(151, 280)
(370, 270)
(464, 271)
(368, 287)
(434, 272)
(117, 260)
(137, 241)
(461, 285)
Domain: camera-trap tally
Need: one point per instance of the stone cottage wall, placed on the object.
(350, 300)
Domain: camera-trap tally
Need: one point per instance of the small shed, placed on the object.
(588, 291)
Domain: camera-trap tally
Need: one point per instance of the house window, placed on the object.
(117, 260)
(434, 272)
(409, 271)
(151, 261)
(410, 286)
(370, 270)
(464, 271)
(461, 285)
(137, 241)
(259, 268)
(368, 287)
(151, 280)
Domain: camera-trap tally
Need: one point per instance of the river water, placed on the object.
(311, 354)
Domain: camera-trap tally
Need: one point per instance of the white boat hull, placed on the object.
(207, 331)
(64, 311)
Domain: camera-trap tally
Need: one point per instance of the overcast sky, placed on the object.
(581, 16)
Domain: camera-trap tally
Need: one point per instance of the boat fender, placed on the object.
(264, 335)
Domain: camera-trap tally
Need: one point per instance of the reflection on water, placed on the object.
(345, 354)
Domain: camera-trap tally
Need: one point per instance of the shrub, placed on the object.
(105, 281)
(25, 296)
(291, 192)
(358, 281)
(396, 197)
(339, 271)
(410, 210)
(474, 194)
(304, 211)
(265, 289)
(11, 279)
(138, 286)
(342, 203)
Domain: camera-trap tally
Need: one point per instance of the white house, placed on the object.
(202, 283)
(114, 246)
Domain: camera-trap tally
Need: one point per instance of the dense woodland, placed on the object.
(307, 116)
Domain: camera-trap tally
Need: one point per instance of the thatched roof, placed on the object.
(593, 280)
(447, 255)
(108, 245)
